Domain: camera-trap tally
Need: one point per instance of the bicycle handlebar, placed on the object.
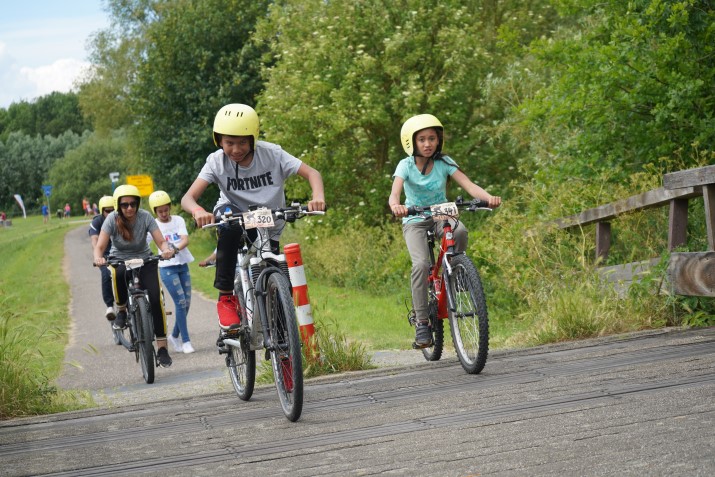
(114, 261)
(289, 214)
(472, 205)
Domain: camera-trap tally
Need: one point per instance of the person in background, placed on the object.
(175, 272)
(127, 228)
(45, 213)
(106, 204)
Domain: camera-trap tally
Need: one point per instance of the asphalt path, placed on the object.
(636, 404)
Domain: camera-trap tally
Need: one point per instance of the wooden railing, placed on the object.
(690, 273)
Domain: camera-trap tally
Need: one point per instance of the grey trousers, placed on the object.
(415, 234)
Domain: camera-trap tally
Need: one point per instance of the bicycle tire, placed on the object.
(285, 352)
(145, 337)
(241, 360)
(434, 352)
(469, 321)
(122, 337)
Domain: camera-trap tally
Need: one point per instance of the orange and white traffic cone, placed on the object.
(303, 310)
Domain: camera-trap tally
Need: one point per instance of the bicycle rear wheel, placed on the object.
(145, 337)
(434, 352)
(285, 354)
(241, 361)
(469, 322)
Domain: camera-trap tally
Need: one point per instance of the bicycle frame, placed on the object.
(445, 301)
(254, 266)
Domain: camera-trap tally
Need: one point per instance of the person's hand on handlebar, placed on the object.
(316, 204)
(203, 217)
(494, 201)
(398, 210)
(99, 262)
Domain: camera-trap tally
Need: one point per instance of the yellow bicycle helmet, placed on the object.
(416, 124)
(157, 199)
(125, 190)
(236, 120)
(104, 202)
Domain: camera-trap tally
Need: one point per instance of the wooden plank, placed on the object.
(603, 240)
(623, 276)
(709, 197)
(647, 200)
(690, 178)
(692, 273)
(678, 223)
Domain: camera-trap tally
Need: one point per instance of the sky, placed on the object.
(43, 45)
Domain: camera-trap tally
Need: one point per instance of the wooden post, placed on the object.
(603, 240)
(678, 223)
(709, 198)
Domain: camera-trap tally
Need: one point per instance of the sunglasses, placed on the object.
(125, 205)
(108, 210)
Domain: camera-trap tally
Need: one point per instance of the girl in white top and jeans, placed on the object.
(175, 272)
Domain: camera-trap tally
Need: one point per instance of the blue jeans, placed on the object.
(177, 282)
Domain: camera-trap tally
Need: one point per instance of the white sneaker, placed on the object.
(175, 344)
(110, 313)
(187, 348)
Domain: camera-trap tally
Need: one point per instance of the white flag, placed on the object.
(22, 205)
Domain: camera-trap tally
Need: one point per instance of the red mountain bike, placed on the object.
(455, 291)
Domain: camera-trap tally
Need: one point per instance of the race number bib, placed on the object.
(444, 211)
(259, 218)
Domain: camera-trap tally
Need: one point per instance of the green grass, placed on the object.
(33, 318)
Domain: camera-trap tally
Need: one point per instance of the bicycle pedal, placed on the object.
(422, 346)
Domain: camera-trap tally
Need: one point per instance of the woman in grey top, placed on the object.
(127, 228)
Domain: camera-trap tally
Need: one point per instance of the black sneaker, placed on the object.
(423, 335)
(162, 356)
(120, 322)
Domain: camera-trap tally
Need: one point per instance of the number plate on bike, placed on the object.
(259, 218)
(444, 211)
(133, 263)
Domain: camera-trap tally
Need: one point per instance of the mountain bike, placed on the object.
(455, 291)
(268, 320)
(138, 336)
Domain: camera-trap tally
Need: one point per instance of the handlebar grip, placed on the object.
(480, 203)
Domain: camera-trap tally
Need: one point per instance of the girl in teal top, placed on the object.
(423, 175)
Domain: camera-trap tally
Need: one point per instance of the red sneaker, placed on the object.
(227, 308)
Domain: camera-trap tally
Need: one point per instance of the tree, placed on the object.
(25, 161)
(52, 115)
(627, 86)
(343, 83)
(165, 69)
(84, 171)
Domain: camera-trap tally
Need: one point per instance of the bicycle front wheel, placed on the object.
(285, 353)
(468, 322)
(241, 361)
(145, 338)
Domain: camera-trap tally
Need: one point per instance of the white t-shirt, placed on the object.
(172, 232)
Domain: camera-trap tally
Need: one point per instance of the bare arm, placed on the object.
(474, 190)
(189, 203)
(396, 206)
(317, 202)
(102, 241)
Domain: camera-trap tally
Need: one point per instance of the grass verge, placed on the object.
(33, 319)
